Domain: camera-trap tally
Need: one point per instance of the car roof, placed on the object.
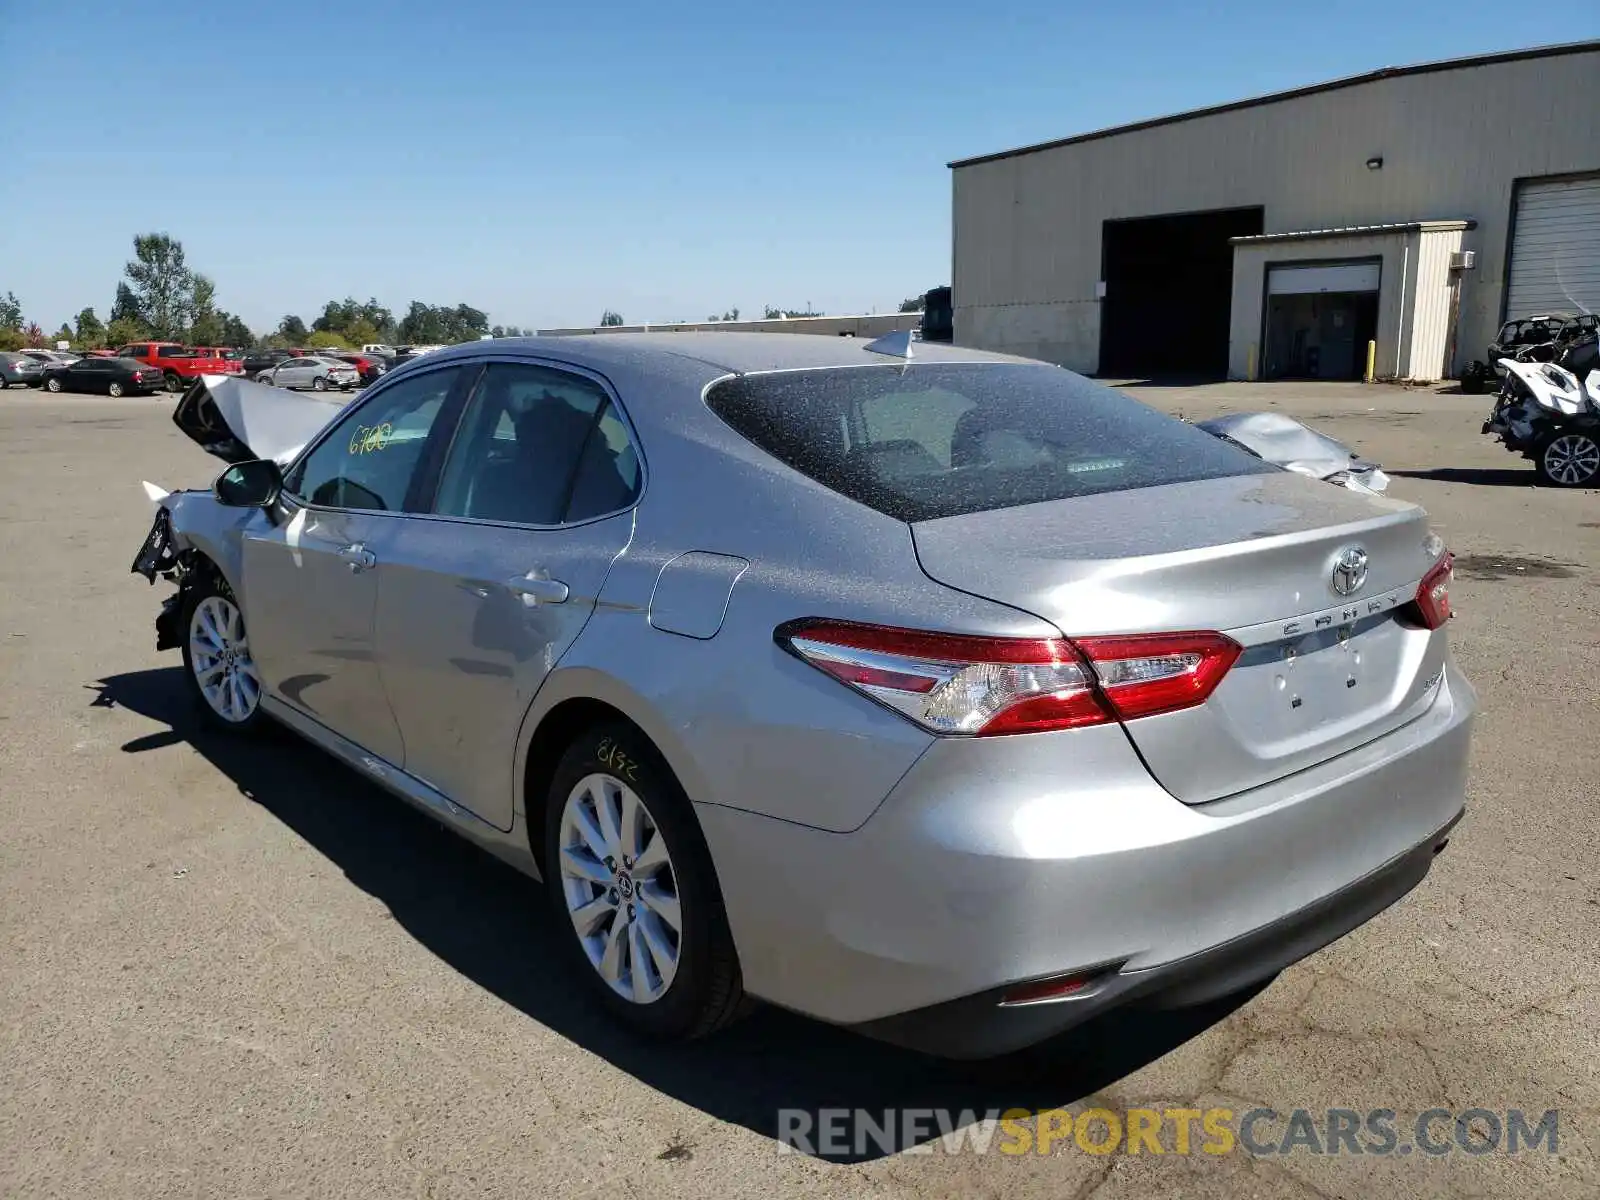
(715, 353)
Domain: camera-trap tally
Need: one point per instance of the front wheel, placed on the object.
(52, 384)
(634, 890)
(217, 661)
(1571, 458)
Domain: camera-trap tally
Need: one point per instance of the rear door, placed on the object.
(478, 600)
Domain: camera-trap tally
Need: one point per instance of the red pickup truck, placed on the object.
(181, 365)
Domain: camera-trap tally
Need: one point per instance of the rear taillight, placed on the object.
(138, 376)
(962, 684)
(1433, 593)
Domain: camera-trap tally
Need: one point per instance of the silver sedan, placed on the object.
(946, 696)
(318, 374)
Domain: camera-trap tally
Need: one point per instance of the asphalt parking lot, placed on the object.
(235, 968)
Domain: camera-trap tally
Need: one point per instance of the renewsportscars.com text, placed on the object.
(1261, 1132)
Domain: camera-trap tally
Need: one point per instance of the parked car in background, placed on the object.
(113, 376)
(47, 358)
(319, 374)
(992, 700)
(256, 361)
(17, 368)
(179, 365)
(371, 367)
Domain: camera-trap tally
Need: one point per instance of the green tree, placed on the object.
(731, 315)
(64, 334)
(422, 325)
(911, 304)
(162, 285)
(206, 323)
(12, 339)
(293, 330)
(123, 330)
(126, 306)
(777, 314)
(361, 332)
(355, 321)
(10, 311)
(610, 318)
(90, 333)
(322, 339)
(236, 333)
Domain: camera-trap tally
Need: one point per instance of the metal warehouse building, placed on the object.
(1416, 207)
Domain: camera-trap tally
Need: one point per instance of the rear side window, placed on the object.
(538, 446)
(937, 440)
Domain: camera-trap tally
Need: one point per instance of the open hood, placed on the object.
(1287, 443)
(237, 420)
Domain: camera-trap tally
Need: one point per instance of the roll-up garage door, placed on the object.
(1555, 248)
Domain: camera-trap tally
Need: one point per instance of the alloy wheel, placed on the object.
(219, 654)
(620, 888)
(1572, 459)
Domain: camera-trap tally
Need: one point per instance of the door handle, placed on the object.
(358, 557)
(539, 591)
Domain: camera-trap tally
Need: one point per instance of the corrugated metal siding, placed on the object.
(1028, 229)
(1428, 308)
(1555, 254)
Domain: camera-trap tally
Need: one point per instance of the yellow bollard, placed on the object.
(1372, 358)
(1250, 365)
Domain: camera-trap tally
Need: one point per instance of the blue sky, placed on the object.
(545, 162)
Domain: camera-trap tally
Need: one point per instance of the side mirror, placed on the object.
(253, 484)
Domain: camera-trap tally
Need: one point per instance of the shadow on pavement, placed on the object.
(1482, 476)
(489, 922)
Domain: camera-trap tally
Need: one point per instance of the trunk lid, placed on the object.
(1250, 556)
(238, 420)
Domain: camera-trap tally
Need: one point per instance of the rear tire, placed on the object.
(173, 381)
(691, 982)
(1571, 458)
(113, 388)
(319, 384)
(52, 384)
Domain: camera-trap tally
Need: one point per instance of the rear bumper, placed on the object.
(998, 861)
(981, 1027)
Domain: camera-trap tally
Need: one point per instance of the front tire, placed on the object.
(216, 659)
(1571, 458)
(634, 891)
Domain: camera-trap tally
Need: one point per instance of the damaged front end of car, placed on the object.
(195, 537)
(1287, 443)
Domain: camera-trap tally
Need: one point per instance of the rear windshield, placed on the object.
(928, 441)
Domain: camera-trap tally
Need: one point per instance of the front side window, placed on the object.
(538, 446)
(368, 459)
(936, 440)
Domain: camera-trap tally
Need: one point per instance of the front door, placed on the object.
(478, 600)
(311, 581)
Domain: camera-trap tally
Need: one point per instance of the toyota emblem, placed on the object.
(1350, 571)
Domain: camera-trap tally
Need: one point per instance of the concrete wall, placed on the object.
(875, 325)
(1027, 229)
(1414, 296)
